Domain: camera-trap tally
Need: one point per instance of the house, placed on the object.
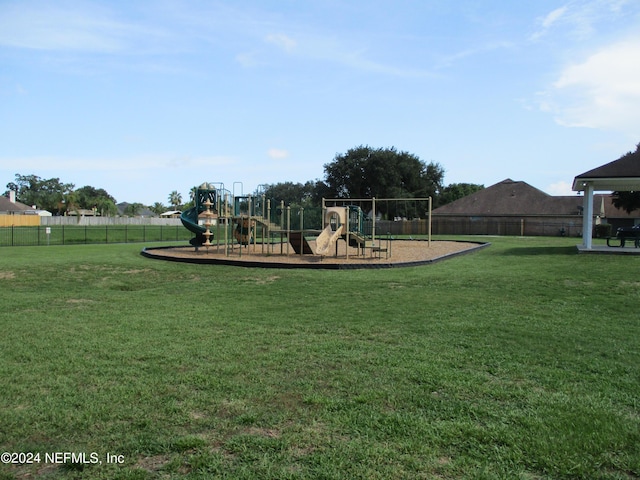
(82, 212)
(143, 212)
(15, 214)
(615, 216)
(171, 214)
(514, 208)
(9, 205)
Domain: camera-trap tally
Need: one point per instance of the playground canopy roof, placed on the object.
(620, 175)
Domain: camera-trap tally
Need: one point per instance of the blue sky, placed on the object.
(145, 97)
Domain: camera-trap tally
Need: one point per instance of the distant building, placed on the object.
(83, 212)
(171, 214)
(143, 212)
(516, 208)
(16, 214)
(9, 205)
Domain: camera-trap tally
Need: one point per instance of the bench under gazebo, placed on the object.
(622, 175)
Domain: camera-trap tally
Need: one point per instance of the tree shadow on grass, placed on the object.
(530, 251)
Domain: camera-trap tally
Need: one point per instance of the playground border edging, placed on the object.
(148, 252)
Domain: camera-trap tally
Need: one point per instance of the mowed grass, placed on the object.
(519, 361)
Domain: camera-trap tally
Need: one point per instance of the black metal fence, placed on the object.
(78, 234)
(479, 226)
(85, 234)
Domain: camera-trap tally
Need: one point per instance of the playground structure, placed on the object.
(347, 223)
(228, 222)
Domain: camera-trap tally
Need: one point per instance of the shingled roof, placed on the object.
(511, 197)
(7, 206)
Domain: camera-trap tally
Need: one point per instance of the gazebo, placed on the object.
(622, 175)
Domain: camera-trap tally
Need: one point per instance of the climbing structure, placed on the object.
(247, 220)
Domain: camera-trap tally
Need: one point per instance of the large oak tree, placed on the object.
(365, 172)
(50, 194)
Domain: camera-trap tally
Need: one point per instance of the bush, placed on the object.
(602, 231)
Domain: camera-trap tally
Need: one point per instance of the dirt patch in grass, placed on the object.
(152, 464)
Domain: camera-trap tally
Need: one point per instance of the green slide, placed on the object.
(189, 219)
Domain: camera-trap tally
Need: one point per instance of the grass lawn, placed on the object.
(519, 361)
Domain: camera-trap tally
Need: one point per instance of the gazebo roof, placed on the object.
(620, 175)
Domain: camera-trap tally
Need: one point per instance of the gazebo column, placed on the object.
(587, 216)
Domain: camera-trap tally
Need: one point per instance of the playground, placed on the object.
(248, 230)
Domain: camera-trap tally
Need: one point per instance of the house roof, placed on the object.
(621, 175)
(144, 211)
(511, 197)
(8, 206)
(83, 212)
(519, 198)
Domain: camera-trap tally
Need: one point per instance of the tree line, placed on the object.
(361, 172)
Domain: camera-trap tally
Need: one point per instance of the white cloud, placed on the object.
(80, 28)
(52, 28)
(124, 164)
(580, 18)
(325, 48)
(282, 41)
(479, 49)
(249, 59)
(548, 21)
(601, 92)
(560, 188)
(553, 17)
(277, 154)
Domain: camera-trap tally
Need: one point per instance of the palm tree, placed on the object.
(157, 208)
(175, 199)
